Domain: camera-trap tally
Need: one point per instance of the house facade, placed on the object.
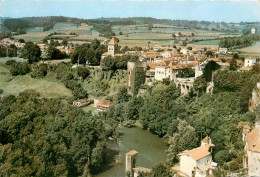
(249, 61)
(252, 149)
(197, 162)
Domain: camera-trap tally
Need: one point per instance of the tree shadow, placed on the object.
(110, 160)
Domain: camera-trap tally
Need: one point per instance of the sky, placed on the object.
(208, 10)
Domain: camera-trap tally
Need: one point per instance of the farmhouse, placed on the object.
(252, 148)
(80, 102)
(198, 161)
(103, 105)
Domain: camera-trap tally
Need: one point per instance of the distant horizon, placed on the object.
(203, 10)
(128, 17)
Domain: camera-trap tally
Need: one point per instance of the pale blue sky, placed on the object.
(218, 10)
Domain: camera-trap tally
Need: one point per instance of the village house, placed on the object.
(80, 102)
(197, 162)
(249, 61)
(7, 42)
(167, 54)
(252, 149)
(222, 50)
(152, 56)
(103, 105)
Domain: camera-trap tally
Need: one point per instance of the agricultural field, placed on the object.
(208, 44)
(83, 32)
(133, 35)
(253, 50)
(161, 35)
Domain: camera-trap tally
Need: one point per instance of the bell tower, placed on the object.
(112, 47)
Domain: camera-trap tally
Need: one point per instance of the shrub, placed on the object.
(10, 62)
(19, 68)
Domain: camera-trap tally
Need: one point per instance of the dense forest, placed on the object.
(48, 137)
(16, 24)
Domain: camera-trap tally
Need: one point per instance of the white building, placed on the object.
(252, 148)
(222, 50)
(249, 61)
(167, 54)
(80, 102)
(197, 162)
(253, 30)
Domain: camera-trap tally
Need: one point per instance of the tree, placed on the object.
(108, 63)
(200, 85)
(120, 33)
(183, 139)
(233, 65)
(53, 53)
(19, 68)
(137, 79)
(209, 68)
(161, 170)
(83, 72)
(31, 52)
(12, 51)
(236, 56)
(39, 71)
(64, 42)
(3, 51)
(122, 95)
(21, 40)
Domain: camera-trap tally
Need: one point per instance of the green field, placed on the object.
(253, 50)
(208, 44)
(4, 59)
(84, 32)
(48, 87)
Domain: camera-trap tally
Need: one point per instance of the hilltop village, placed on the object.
(62, 102)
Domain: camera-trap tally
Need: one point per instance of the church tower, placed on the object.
(112, 47)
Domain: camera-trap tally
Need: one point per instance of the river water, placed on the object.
(150, 148)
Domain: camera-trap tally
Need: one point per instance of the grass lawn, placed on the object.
(4, 59)
(45, 86)
(3, 68)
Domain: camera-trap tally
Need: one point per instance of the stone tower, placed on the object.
(112, 47)
(130, 162)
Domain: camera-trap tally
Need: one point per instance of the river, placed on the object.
(150, 148)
